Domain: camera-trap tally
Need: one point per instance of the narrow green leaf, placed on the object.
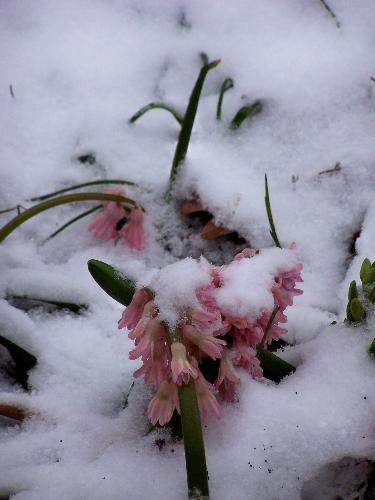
(187, 126)
(61, 200)
(371, 349)
(269, 214)
(245, 112)
(112, 282)
(85, 184)
(274, 368)
(365, 268)
(196, 468)
(204, 58)
(357, 310)
(23, 360)
(26, 303)
(226, 85)
(157, 105)
(72, 221)
(330, 12)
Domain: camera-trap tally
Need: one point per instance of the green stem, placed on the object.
(156, 105)
(247, 111)
(187, 126)
(226, 85)
(78, 186)
(269, 214)
(72, 221)
(61, 200)
(196, 469)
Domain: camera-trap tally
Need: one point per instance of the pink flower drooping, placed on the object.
(104, 224)
(132, 232)
(202, 332)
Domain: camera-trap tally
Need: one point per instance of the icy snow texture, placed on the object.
(78, 71)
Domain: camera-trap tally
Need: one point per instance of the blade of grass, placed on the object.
(269, 214)
(61, 200)
(330, 12)
(226, 85)
(78, 186)
(157, 105)
(187, 126)
(72, 221)
(247, 111)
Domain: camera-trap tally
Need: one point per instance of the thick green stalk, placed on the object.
(157, 105)
(61, 200)
(187, 126)
(226, 85)
(85, 184)
(196, 469)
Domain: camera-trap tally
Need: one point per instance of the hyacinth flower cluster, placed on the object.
(223, 330)
(118, 220)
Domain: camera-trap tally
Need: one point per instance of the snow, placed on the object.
(78, 71)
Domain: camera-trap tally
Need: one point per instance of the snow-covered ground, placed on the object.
(72, 74)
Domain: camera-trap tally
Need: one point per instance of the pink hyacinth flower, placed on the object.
(154, 332)
(283, 288)
(163, 404)
(180, 366)
(133, 313)
(133, 232)
(227, 379)
(246, 358)
(104, 224)
(207, 402)
(156, 364)
(246, 253)
(208, 344)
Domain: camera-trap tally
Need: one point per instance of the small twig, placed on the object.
(269, 214)
(157, 105)
(17, 207)
(11, 91)
(330, 12)
(226, 85)
(333, 170)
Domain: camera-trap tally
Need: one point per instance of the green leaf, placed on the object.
(269, 214)
(357, 310)
(187, 126)
(274, 368)
(352, 292)
(371, 296)
(247, 111)
(367, 272)
(371, 349)
(85, 184)
(26, 303)
(226, 85)
(157, 105)
(112, 282)
(196, 468)
(23, 360)
(60, 200)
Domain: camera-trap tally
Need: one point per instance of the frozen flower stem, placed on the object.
(187, 126)
(60, 200)
(157, 105)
